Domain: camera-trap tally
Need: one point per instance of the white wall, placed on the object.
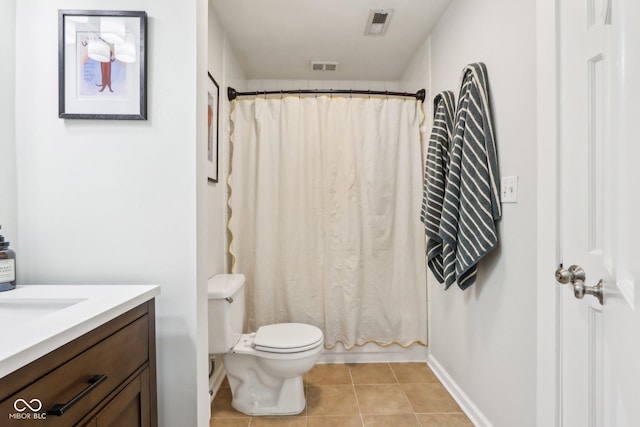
(8, 212)
(485, 337)
(417, 75)
(226, 71)
(122, 201)
(199, 121)
(271, 84)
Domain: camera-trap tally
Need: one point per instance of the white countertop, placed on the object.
(36, 319)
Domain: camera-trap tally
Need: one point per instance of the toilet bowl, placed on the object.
(264, 368)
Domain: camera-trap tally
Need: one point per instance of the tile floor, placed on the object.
(367, 394)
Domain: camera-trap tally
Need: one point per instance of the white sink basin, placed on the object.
(23, 310)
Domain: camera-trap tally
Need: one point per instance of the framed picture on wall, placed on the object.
(102, 65)
(213, 116)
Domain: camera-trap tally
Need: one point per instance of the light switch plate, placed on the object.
(509, 189)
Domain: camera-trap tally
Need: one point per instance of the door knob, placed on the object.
(568, 275)
(576, 276)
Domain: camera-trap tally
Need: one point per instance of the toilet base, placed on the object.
(265, 383)
(290, 400)
(257, 390)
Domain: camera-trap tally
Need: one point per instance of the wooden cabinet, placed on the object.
(103, 378)
(130, 407)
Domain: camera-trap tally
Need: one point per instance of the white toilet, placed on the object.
(264, 368)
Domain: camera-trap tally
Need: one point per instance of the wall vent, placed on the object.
(378, 22)
(324, 66)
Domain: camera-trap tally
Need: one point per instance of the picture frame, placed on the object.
(213, 122)
(102, 65)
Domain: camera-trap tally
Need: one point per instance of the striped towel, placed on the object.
(471, 201)
(435, 173)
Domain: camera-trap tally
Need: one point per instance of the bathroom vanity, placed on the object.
(78, 355)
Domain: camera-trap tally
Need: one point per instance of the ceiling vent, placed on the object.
(378, 22)
(324, 66)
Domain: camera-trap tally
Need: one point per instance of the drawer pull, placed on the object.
(59, 408)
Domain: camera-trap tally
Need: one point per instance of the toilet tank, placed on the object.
(226, 311)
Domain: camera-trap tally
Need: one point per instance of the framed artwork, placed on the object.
(102, 65)
(213, 116)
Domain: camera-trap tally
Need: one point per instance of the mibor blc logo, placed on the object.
(27, 410)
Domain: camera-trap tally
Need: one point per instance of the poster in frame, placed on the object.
(213, 117)
(102, 65)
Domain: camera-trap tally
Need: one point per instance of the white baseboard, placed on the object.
(372, 353)
(468, 407)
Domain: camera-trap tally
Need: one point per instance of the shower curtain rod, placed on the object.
(233, 94)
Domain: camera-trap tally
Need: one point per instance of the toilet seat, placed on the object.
(287, 338)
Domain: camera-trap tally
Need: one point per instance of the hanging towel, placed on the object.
(471, 201)
(435, 173)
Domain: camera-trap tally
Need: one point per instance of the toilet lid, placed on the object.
(287, 338)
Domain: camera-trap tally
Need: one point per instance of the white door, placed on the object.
(583, 117)
(596, 339)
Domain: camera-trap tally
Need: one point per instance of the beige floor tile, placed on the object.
(382, 399)
(429, 397)
(413, 372)
(397, 420)
(221, 407)
(387, 394)
(229, 422)
(444, 420)
(278, 422)
(372, 373)
(329, 374)
(331, 400)
(330, 421)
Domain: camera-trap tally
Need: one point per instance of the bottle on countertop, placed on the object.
(7, 266)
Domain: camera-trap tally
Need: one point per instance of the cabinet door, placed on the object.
(129, 408)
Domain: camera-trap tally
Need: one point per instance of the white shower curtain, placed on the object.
(325, 198)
